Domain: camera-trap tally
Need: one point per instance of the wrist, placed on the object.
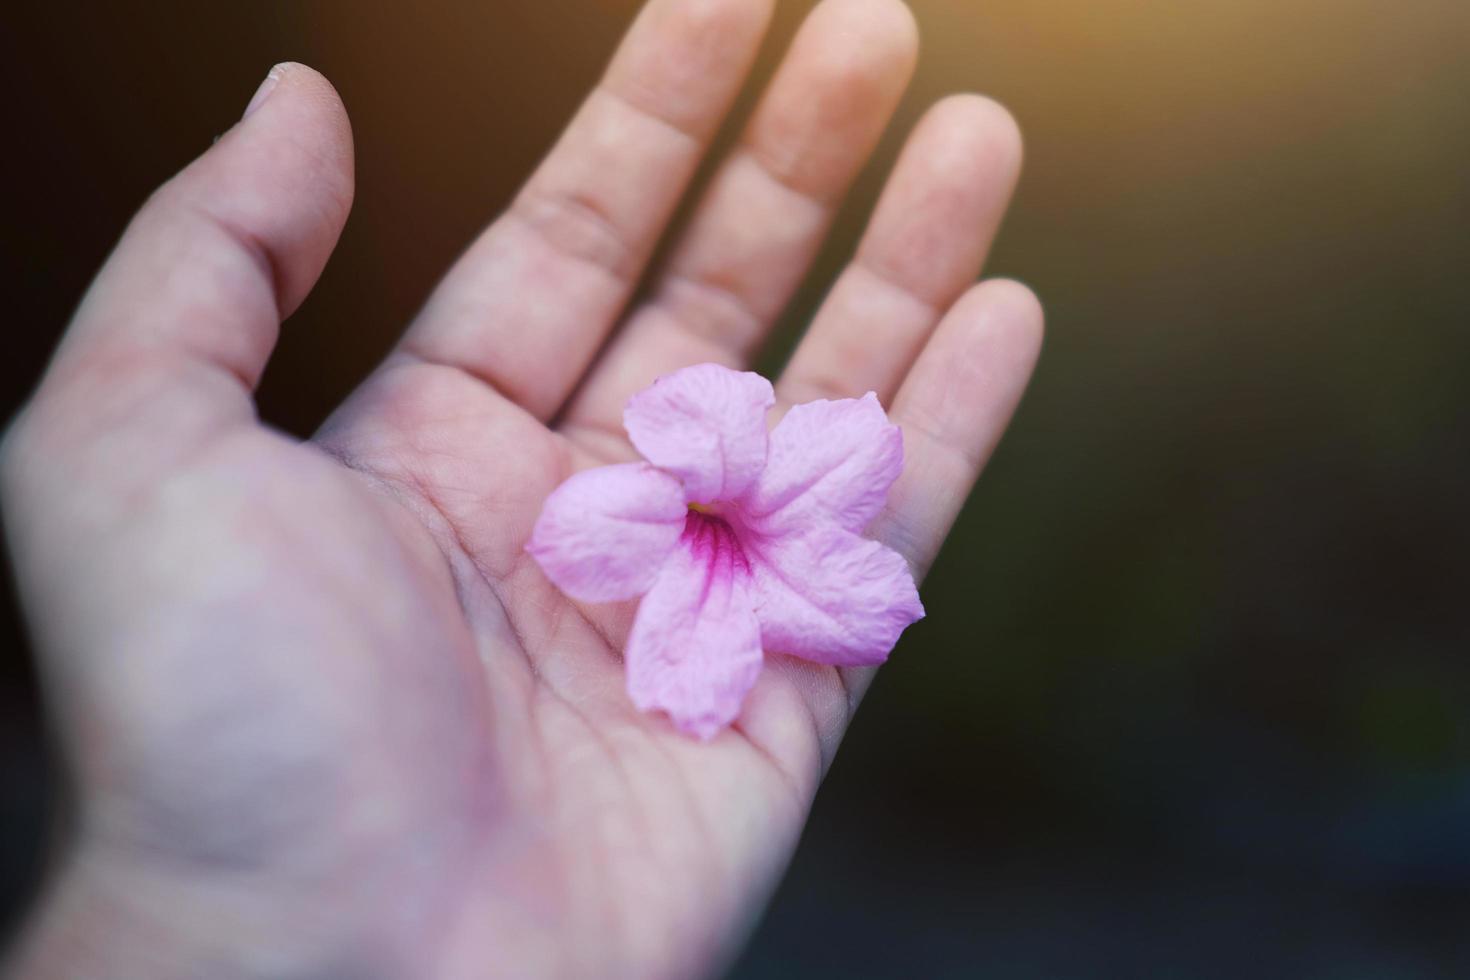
(97, 917)
(102, 914)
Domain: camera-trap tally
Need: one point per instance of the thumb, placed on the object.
(176, 329)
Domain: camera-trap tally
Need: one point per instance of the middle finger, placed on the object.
(763, 218)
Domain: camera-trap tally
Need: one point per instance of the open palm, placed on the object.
(324, 714)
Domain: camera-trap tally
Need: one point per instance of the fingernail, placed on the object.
(261, 94)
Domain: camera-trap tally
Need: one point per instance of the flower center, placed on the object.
(713, 539)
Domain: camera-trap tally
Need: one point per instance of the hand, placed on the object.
(323, 715)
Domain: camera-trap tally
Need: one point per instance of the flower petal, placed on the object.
(706, 425)
(829, 460)
(695, 648)
(828, 595)
(603, 534)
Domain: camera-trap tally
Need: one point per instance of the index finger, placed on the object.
(530, 302)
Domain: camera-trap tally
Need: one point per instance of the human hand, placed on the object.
(323, 714)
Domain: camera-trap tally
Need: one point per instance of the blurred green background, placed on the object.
(1193, 697)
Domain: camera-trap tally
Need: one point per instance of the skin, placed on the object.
(323, 715)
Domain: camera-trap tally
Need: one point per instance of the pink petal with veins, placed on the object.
(603, 534)
(828, 461)
(695, 648)
(771, 560)
(827, 595)
(705, 425)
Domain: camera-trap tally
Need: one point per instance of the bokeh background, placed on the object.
(1193, 698)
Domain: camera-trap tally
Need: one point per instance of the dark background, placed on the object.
(1192, 697)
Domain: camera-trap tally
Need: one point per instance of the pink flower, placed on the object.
(739, 539)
